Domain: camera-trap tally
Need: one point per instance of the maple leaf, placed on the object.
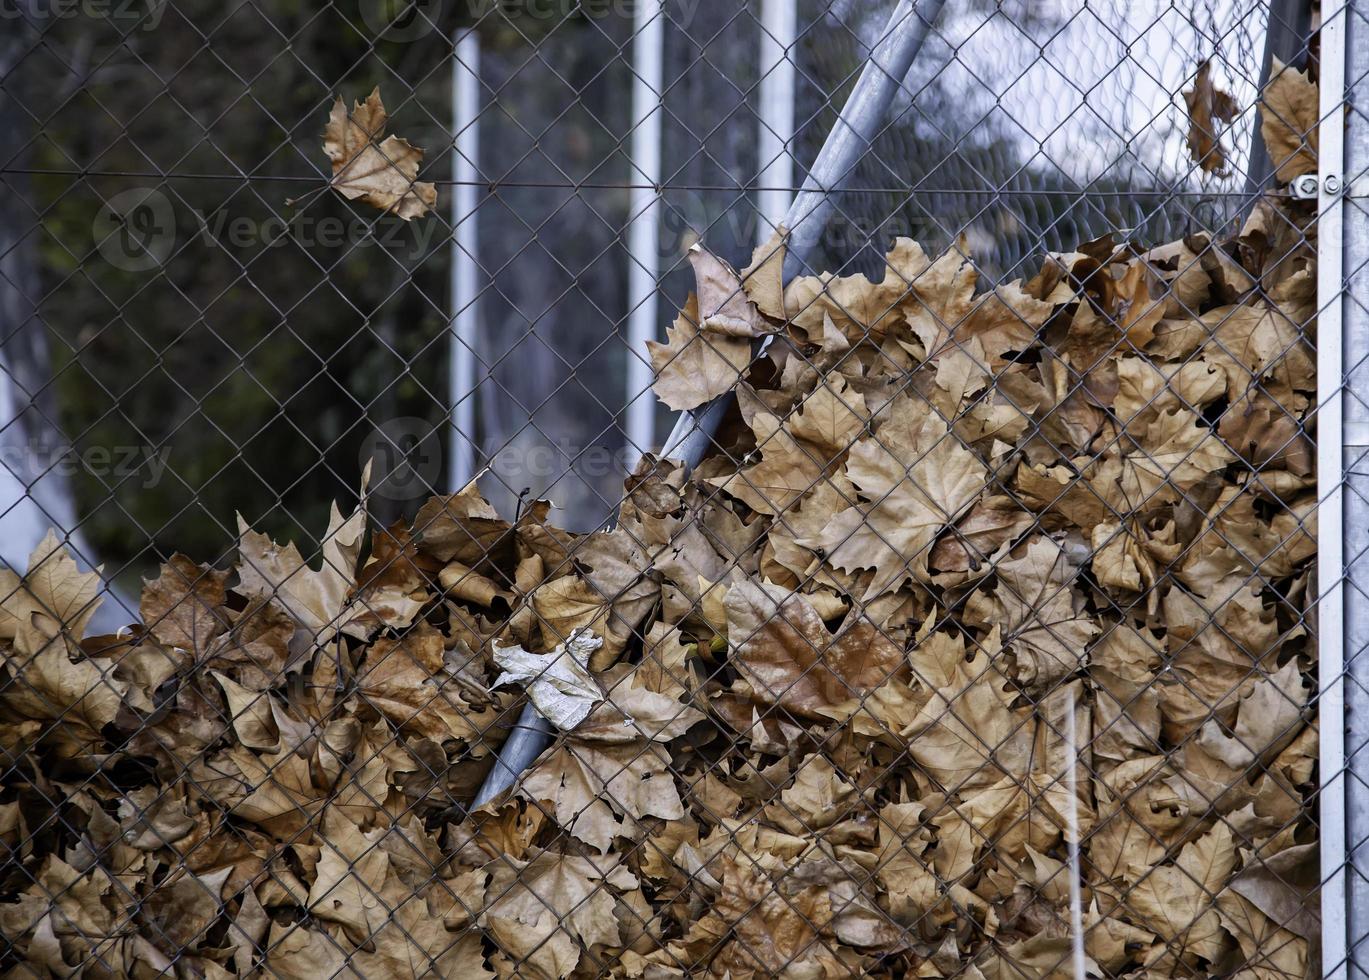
(181, 605)
(54, 597)
(799, 451)
(1040, 785)
(1289, 113)
(71, 700)
(755, 928)
(786, 655)
(315, 599)
(967, 337)
(545, 911)
(1040, 612)
(854, 306)
(461, 527)
(613, 764)
(990, 523)
(1267, 719)
(1260, 349)
(915, 479)
(1126, 707)
(1271, 952)
(407, 681)
(966, 733)
(382, 173)
(694, 366)
(725, 309)
(1177, 902)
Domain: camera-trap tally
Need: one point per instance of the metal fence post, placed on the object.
(1343, 434)
(775, 114)
(465, 269)
(644, 222)
(1329, 476)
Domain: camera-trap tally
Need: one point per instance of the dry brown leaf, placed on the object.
(787, 656)
(1178, 902)
(55, 590)
(854, 306)
(544, 912)
(967, 734)
(1267, 719)
(724, 307)
(315, 599)
(382, 173)
(799, 453)
(1289, 113)
(916, 478)
(181, 606)
(1040, 612)
(694, 365)
(1207, 106)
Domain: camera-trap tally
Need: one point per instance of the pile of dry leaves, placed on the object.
(978, 583)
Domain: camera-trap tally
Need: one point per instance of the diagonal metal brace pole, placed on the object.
(856, 128)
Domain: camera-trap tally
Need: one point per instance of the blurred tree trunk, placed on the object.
(35, 494)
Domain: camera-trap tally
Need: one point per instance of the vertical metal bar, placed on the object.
(465, 285)
(855, 129)
(1345, 249)
(775, 114)
(643, 237)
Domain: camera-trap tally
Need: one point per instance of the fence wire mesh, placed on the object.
(981, 643)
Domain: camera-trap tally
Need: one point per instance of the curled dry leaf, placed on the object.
(1288, 121)
(559, 682)
(1208, 106)
(381, 172)
(694, 366)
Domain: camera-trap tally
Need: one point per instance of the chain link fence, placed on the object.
(981, 640)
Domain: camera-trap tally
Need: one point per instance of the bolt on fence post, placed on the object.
(855, 129)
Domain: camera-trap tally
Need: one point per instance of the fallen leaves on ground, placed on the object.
(971, 578)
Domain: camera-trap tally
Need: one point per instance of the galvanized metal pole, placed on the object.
(1343, 455)
(860, 122)
(644, 221)
(465, 283)
(855, 129)
(775, 115)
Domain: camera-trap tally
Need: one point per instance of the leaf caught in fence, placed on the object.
(381, 172)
